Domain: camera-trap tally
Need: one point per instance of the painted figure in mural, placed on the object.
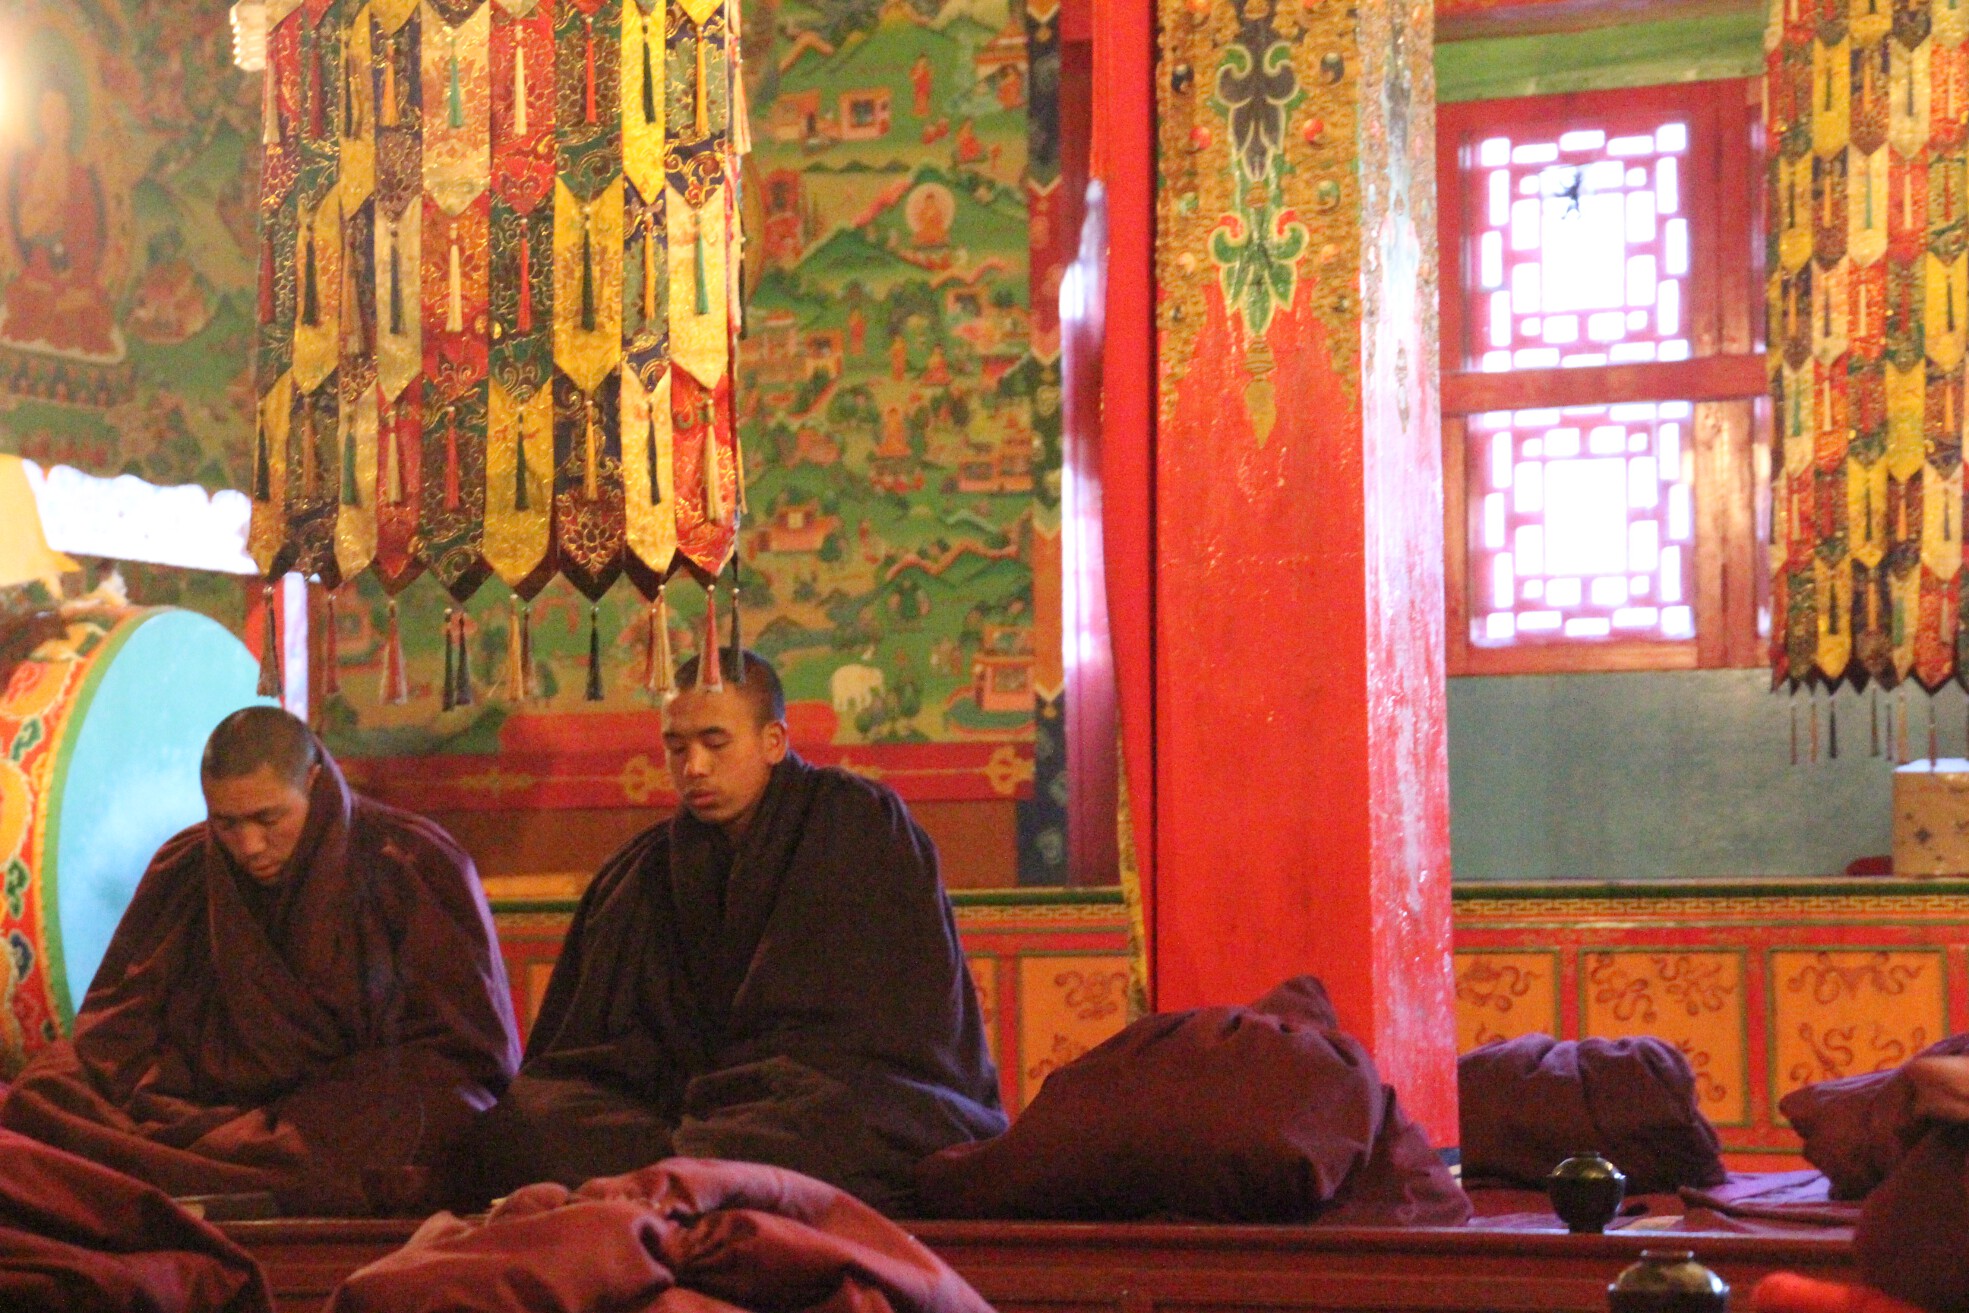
(921, 81)
(56, 226)
(771, 975)
(305, 985)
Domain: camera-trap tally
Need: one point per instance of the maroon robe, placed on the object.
(244, 1038)
(800, 1001)
(79, 1238)
(685, 1236)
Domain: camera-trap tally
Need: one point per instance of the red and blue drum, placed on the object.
(100, 735)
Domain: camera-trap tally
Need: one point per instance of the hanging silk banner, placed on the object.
(467, 210)
(1868, 299)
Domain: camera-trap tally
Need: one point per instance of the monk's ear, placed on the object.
(774, 735)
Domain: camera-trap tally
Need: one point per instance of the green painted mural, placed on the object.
(128, 146)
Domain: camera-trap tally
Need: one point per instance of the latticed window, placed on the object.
(1599, 379)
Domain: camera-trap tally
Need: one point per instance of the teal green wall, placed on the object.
(1664, 776)
(1727, 45)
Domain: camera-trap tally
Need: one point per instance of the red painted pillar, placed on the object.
(1299, 760)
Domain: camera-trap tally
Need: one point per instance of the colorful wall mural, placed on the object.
(128, 153)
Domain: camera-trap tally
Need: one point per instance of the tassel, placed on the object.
(703, 107)
(649, 450)
(454, 315)
(519, 90)
(355, 330)
(1832, 726)
(451, 458)
(331, 643)
(700, 286)
(516, 653)
(262, 471)
(271, 684)
(649, 76)
(390, 450)
(387, 111)
(1815, 727)
(1794, 729)
(396, 284)
(1875, 734)
(710, 676)
(662, 677)
(351, 493)
(266, 282)
(520, 498)
(714, 493)
(464, 697)
(591, 475)
(588, 105)
(270, 107)
(594, 653)
(526, 651)
(456, 99)
(649, 270)
(738, 637)
(587, 274)
(310, 294)
(310, 462)
(450, 664)
(526, 285)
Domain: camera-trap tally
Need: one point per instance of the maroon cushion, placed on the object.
(1913, 1237)
(1532, 1102)
(1856, 1128)
(1260, 1114)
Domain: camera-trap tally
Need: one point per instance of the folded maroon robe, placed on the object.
(76, 1237)
(1913, 1239)
(1262, 1114)
(684, 1236)
(802, 1002)
(1856, 1128)
(1529, 1103)
(238, 1038)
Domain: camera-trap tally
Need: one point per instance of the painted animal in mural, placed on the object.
(854, 687)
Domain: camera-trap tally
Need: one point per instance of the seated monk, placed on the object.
(771, 975)
(305, 985)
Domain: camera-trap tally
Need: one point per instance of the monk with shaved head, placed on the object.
(304, 986)
(771, 974)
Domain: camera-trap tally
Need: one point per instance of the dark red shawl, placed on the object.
(76, 1237)
(802, 1001)
(359, 1015)
(1269, 1113)
(684, 1236)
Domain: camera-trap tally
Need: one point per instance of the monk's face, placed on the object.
(720, 756)
(258, 819)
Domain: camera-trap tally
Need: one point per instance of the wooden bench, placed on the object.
(1157, 1268)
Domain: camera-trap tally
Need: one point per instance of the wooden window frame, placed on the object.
(1724, 377)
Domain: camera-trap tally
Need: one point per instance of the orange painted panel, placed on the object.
(1695, 1001)
(1842, 1013)
(1505, 995)
(984, 978)
(1067, 1005)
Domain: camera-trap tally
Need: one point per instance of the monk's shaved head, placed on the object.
(253, 737)
(761, 687)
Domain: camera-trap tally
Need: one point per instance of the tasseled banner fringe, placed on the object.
(396, 283)
(649, 454)
(710, 677)
(450, 662)
(331, 655)
(587, 275)
(649, 76)
(1832, 726)
(738, 636)
(455, 98)
(464, 696)
(1794, 729)
(271, 684)
(662, 675)
(1875, 732)
(351, 490)
(396, 679)
(1815, 727)
(310, 293)
(521, 501)
(701, 286)
(594, 653)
